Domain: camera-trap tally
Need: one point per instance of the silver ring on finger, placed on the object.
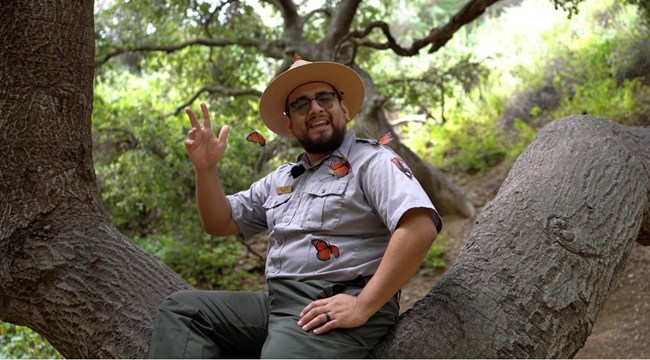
(327, 317)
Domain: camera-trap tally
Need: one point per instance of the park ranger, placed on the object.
(348, 225)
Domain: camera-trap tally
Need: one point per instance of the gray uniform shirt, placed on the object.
(334, 220)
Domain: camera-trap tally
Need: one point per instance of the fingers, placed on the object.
(223, 134)
(192, 133)
(338, 311)
(319, 322)
(193, 119)
(328, 325)
(313, 305)
(206, 116)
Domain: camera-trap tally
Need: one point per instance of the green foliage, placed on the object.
(206, 262)
(587, 62)
(604, 97)
(570, 6)
(590, 80)
(21, 342)
(433, 261)
(644, 6)
(146, 180)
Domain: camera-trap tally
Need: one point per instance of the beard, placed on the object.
(324, 144)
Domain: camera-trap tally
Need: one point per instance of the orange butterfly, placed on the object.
(256, 137)
(402, 166)
(339, 167)
(325, 250)
(385, 139)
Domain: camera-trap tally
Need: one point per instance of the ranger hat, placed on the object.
(273, 101)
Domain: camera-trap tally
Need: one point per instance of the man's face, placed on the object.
(316, 117)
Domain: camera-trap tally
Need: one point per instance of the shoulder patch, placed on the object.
(401, 165)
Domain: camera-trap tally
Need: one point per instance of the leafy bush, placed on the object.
(207, 262)
(21, 342)
(433, 261)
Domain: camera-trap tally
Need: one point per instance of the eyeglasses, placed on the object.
(325, 100)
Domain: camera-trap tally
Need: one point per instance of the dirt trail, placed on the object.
(622, 329)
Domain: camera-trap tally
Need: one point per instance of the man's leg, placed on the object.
(287, 340)
(210, 324)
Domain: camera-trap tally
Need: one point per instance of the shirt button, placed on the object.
(322, 191)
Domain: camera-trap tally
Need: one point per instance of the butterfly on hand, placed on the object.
(256, 137)
(324, 250)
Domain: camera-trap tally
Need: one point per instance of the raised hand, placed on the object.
(203, 147)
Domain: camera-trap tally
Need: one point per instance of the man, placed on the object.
(348, 226)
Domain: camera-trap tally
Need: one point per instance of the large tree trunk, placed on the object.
(65, 271)
(545, 252)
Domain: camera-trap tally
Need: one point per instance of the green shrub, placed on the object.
(434, 261)
(206, 262)
(21, 342)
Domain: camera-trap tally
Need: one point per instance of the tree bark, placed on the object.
(544, 254)
(65, 271)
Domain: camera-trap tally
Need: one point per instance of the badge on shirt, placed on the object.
(401, 165)
(283, 189)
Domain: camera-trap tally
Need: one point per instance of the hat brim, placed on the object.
(343, 78)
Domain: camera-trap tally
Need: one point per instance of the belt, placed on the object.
(361, 281)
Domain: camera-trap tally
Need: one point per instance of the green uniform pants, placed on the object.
(211, 324)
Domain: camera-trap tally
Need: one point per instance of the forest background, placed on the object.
(470, 107)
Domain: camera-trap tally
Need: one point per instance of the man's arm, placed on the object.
(406, 250)
(214, 208)
(205, 151)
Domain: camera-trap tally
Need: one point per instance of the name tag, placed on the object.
(283, 189)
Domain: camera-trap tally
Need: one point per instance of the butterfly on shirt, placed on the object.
(324, 250)
(385, 139)
(256, 137)
(339, 166)
(382, 140)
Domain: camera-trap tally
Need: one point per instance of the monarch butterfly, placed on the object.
(339, 167)
(385, 139)
(402, 166)
(325, 250)
(256, 137)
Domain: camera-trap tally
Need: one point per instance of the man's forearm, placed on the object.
(406, 250)
(214, 208)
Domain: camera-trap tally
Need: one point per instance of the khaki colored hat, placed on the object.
(343, 78)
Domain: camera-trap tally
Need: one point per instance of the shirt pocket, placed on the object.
(323, 204)
(275, 206)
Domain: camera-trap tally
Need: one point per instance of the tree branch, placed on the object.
(265, 47)
(211, 89)
(289, 13)
(436, 38)
(341, 22)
